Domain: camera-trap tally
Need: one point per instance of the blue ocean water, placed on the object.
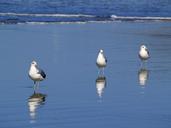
(19, 11)
(73, 95)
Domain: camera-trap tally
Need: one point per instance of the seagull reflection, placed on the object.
(100, 85)
(35, 101)
(143, 75)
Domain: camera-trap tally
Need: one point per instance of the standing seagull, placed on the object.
(35, 73)
(144, 53)
(101, 61)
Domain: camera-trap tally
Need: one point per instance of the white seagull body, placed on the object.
(144, 53)
(35, 73)
(101, 59)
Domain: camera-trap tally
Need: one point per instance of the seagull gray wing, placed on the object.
(42, 73)
(147, 52)
(105, 58)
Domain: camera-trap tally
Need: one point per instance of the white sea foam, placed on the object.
(45, 15)
(114, 17)
(40, 23)
(43, 23)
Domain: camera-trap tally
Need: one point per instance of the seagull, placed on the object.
(35, 73)
(144, 53)
(101, 61)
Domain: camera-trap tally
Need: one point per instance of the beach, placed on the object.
(132, 96)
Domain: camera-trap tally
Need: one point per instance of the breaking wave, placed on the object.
(114, 17)
(45, 15)
(15, 18)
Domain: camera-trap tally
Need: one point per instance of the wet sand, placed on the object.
(130, 95)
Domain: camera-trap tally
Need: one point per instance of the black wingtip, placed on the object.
(42, 73)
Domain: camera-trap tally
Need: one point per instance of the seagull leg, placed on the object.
(145, 64)
(99, 72)
(34, 86)
(37, 85)
(103, 72)
(142, 64)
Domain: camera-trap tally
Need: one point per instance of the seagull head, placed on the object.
(143, 47)
(34, 63)
(101, 50)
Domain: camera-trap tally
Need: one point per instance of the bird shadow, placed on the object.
(35, 101)
(101, 83)
(143, 76)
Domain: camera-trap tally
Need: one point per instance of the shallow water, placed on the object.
(72, 95)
